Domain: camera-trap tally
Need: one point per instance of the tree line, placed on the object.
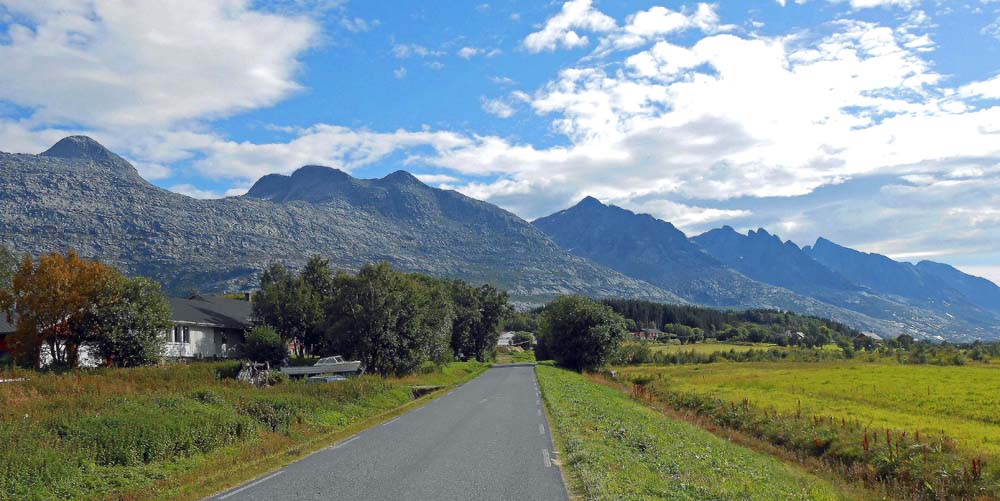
(390, 320)
(694, 323)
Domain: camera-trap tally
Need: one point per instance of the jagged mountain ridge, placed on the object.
(765, 257)
(80, 195)
(640, 245)
(745, 271)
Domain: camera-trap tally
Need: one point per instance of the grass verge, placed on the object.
(617, 448)
(180, 431)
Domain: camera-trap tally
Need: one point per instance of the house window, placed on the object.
(187, 335)
(177, 334)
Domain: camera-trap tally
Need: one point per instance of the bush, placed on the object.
(263, 344)
(580, 333)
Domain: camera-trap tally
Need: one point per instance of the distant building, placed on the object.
(869, 335)
(207, 326)
(506, 339)
(651, 334)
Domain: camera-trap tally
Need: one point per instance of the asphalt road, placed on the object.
(487, 439)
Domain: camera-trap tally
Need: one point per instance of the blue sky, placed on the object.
(875, 123)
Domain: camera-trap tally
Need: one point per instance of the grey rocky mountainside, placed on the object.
(78, 195)
(746, 271)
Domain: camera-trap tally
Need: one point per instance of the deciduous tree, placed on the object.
(579, 333)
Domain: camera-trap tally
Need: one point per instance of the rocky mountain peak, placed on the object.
(87, 149)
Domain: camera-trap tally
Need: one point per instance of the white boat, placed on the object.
(329, 365)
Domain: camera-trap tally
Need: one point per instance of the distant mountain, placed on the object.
(931, 286)
(764, 257)
(655, 251)
(978, 290)
(728, 269)
(80, 195)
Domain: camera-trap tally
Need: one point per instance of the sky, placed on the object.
(873, 123)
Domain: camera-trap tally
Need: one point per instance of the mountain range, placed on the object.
(728, 269)
(79, 195)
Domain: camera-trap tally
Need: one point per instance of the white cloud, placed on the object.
(403, 51)
(195, 192)
(560, 30)
(358, 25)
(109, 63)
(469, 52)
(866, 4)
(436, 179)
(399, 72)
(498, 107)
(989, 89)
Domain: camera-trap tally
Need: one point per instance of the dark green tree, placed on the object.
(286, 304)
(579, 333)
(8, 267)
(382, 317)
(131, 327)
(264, 344)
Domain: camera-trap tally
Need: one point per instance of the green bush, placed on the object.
(579, 333)
(263, 344)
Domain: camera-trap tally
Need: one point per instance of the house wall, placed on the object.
(204, 342)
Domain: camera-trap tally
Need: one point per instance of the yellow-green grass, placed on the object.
(515, 357)
(962, 402)
(616, 448)
(178, 431)
(709, 348)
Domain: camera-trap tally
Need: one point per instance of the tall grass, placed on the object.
(91, 434)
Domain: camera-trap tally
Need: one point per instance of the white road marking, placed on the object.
(345, 442)
(254, 484)
(541, 429)
(545, 458)
(393, 420)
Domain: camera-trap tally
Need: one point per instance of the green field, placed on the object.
(178, 431)
(962, 402)
(709, 348)
(617, 448)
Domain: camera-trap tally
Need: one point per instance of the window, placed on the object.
(177, 333)
(187, 335)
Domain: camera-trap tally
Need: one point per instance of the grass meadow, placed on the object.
(962, 402)
(911, 431)
(178, 431)
(614, 447)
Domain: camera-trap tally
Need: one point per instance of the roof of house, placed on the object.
(215, 311)
(6, 327)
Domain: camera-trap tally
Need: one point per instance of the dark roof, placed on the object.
(211, 310)
(5, 327)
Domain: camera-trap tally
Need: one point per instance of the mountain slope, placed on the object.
(79, 195)
(655, 251)
(978, 290)
(764, 257)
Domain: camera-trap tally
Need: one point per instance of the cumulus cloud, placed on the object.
(104, 63)
(469, 52)
(561, 29)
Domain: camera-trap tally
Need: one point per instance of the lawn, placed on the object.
(709, 348)
(962, 402)
(515, 357)
(617, 448)
(178, 431)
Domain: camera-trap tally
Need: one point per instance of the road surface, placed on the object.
(487, 439)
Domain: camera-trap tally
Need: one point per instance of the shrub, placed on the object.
(580, 333)
(263, 344)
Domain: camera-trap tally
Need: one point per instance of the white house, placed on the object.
(206, 326)
(506, 338)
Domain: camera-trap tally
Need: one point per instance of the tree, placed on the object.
(382, 317)
(480, 313)
(580, 333)
(130, 329)
(285, 303)
(55, 302)
(318, 278)
(264, 344)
